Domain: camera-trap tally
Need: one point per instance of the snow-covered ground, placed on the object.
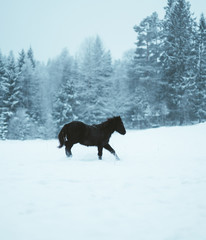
(157, 191)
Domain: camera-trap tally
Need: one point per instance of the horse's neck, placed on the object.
(107, 127)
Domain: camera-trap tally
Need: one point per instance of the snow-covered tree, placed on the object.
(145, 63)
(55, 69)
(20, 125)
(200, 91)
(96, 70)
(10, 92)
(148, 38)
(178, 59)
(30, 56)
(121, 94)
(3, 108)
(143, 71)
(21, 59)
(29, 94)
(65, 104)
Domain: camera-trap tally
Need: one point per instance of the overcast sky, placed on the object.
(48, 26)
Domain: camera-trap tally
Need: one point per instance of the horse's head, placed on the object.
(119, 126)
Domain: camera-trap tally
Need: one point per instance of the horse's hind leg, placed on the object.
(100, 152)
(68, 147)
(110, 149)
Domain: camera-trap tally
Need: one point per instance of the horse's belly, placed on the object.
(88, 143)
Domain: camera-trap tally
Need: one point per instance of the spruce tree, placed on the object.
(30, 56)
(143, 71)
(200, 93)
(25, 82)
(2, 80)
(178, 59)
(121, 94)
(10, 97)
(3, 109)
(96, 69)
(29, 94)
(65, 104)
(21, 60)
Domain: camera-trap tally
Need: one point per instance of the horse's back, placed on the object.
(75, 131)
(75, 124)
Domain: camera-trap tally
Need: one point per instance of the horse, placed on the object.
(90, 135)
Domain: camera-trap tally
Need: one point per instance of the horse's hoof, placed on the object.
(68, 155)
(117, 158)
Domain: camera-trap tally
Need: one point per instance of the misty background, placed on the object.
(159, 80)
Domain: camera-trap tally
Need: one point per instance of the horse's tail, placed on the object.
(62, 136)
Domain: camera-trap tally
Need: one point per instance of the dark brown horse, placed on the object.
(90, 135)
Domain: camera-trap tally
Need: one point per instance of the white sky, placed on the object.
(50, 25)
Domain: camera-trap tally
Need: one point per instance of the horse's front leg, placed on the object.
(100, 152)
(110, 149)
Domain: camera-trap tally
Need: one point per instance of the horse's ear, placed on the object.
(118, 118)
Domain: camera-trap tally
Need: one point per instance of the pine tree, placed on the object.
(145, 64)
(30, 56)
(35, 96)
(121, 95)
(25, 81)
(20, 125)
(177, 59)
(143, 72)
(3, 109)
(21, 59)
(55, 70)
(29, 93)
(10, 96)
(65, 103)
(96, 71)
(2, 79)
(200, 94)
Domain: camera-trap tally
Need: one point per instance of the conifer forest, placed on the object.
(161, 82)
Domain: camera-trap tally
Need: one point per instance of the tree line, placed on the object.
(161, 82)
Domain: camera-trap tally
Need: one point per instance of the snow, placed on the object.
(155, 192)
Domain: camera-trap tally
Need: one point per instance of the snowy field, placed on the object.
(157, 191)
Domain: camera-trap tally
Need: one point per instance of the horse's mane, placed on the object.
(109, 123)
